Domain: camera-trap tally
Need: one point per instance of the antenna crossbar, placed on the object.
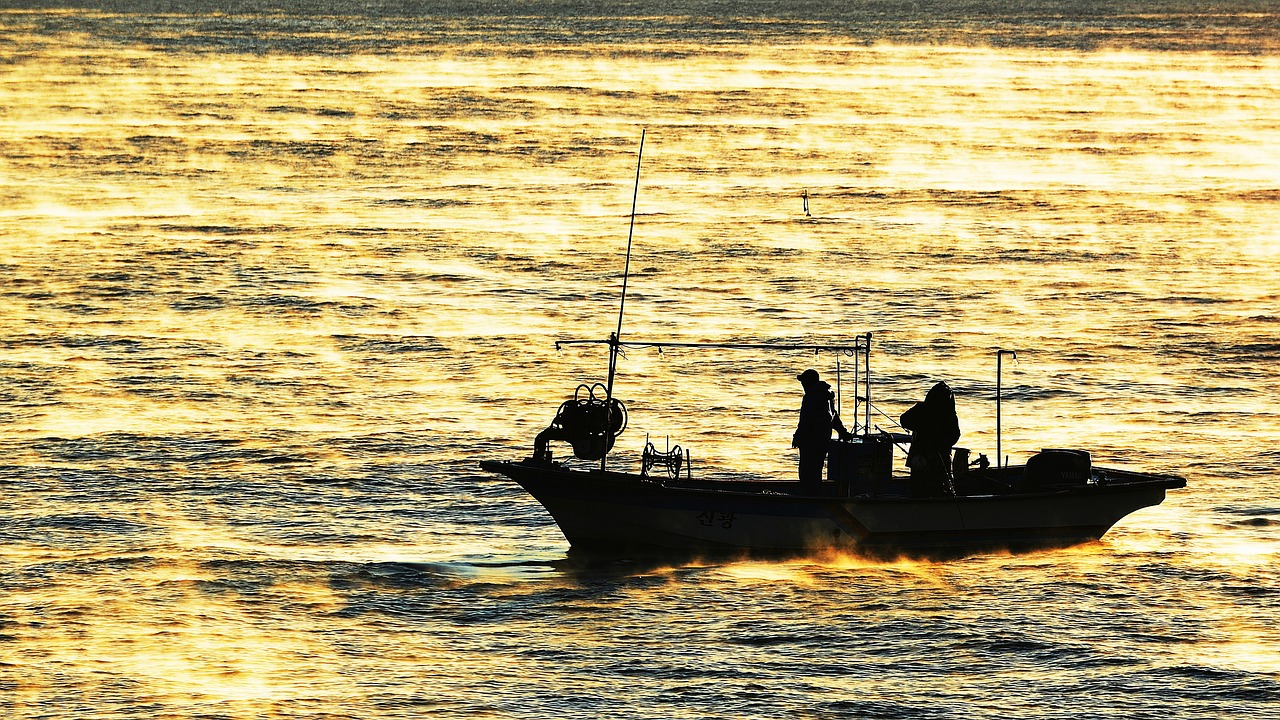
(845, 348)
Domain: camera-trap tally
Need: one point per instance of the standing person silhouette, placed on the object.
(818, 417)
(934, 430)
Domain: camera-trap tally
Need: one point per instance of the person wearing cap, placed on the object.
(818, 417)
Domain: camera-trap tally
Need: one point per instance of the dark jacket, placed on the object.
(817, 416)
(933, 423)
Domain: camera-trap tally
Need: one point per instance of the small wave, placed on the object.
(433, 203)
(305, 305)
(86, 522)
(1257, 522)
(766, 640)
(1211, 683)
(214, 230)
(389, 344)
(198, 302)
(1251, 510)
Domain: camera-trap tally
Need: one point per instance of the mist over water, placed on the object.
(278, 276)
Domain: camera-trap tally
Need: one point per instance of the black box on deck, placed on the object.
(1053, 469)
(863, 466)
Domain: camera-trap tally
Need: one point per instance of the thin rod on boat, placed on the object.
(858, 346)
(866, 378)
(891, 422)
(616, 338)
(1000, 461)
(840, 407)
(626, 268)
(857, 396)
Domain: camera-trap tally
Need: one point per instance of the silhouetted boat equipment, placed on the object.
(1057, 498)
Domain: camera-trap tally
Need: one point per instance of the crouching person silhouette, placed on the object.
(934, 431)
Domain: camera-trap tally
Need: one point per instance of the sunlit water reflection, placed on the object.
(274, 284)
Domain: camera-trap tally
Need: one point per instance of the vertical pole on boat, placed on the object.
(866, 426)
(855, 389)
(616, 338)
(999, 358)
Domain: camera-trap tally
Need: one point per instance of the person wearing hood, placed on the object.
(818, 417)
(934, 431)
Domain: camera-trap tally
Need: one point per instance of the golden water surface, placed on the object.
(275, 282)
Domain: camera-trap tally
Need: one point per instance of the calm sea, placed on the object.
(276, 277)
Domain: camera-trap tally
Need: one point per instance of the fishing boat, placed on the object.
(863, 504)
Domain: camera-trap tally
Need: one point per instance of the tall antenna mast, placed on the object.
(626, 270)
(616, 338)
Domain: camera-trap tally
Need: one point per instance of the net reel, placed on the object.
(590, 422)
(671, 461)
